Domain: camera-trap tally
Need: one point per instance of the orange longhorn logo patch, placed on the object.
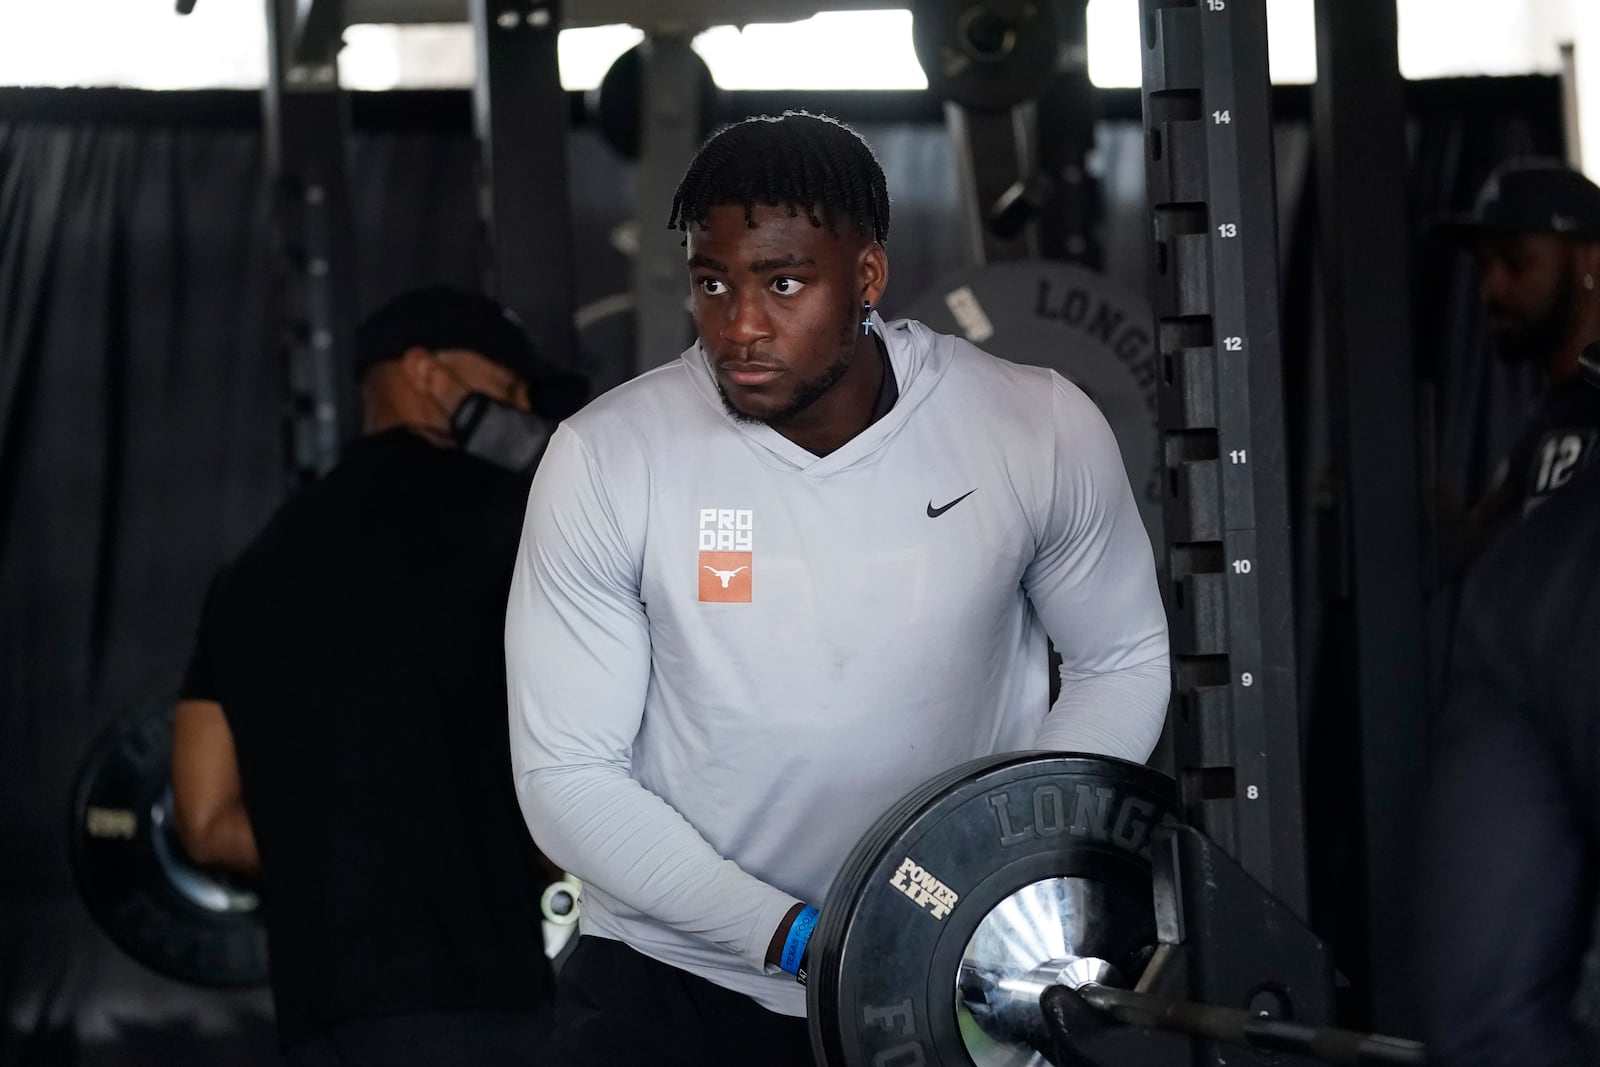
(725, 577)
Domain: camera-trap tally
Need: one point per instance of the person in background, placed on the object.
(341, 730)
(1511, 828)
(1535, 236)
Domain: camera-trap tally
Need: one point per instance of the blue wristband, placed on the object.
(799, 934)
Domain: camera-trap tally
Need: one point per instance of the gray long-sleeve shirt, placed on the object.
(728, 656)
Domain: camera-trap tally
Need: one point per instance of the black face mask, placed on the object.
(499, 433)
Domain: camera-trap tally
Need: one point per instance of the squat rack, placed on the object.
(519, 114)
(1209, 163)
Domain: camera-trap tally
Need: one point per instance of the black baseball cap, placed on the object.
(1531, 196)
(440, 316)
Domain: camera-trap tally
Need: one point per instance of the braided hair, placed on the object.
(810, 163)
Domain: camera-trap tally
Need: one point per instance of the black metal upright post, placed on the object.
(305, 121)
(669, 135)
(994, 150)
(1358, 112)
(1068, 114)
(1024, 187)
(520, 113)
(1209, 164)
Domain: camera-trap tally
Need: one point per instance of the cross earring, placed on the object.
(866, 316)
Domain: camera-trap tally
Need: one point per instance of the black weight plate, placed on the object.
(889, 945)
(989, 55)
(847, 886)
(823, 976)
(132, 873)
(618, 107)
(848, 883)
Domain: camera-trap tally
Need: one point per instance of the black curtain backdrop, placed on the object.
(141, 435)
(140, 445)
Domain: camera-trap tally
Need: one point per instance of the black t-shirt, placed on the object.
(357, 650)
(1511, 837)
(1558, 442)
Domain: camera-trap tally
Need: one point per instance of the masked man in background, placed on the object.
(341, 731)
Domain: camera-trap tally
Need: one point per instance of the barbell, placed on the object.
(1038, 908)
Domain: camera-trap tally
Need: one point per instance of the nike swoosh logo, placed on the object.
(934, 513)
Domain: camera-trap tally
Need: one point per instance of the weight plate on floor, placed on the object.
(184, 922)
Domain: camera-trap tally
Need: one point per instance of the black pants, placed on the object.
(615, 1006)
(429, 1039)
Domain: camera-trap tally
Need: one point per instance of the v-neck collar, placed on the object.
(917, 359)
